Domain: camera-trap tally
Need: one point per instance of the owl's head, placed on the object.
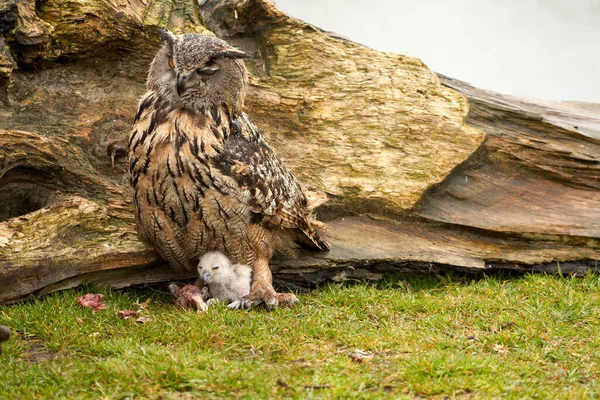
(197, 71)
(213, 266)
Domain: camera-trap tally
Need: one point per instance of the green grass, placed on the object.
(435, 337)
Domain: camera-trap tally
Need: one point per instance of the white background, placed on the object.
(537, 48)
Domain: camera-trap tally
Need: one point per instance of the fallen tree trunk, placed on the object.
(407, 175)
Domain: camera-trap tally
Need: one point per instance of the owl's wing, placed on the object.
(276, 198)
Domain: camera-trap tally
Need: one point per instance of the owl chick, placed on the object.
(203, 176)
(226, 282)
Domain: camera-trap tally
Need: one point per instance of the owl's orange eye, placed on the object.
(171, 63)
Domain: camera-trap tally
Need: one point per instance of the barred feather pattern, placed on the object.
(207, 181)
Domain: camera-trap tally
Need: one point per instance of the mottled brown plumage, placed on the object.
(203, 176)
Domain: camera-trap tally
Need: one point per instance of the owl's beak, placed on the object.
(206, 277)
(181, 82)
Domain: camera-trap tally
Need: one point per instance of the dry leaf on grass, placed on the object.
(325, 386)
(144, 305)
(361, 356)
(500, 349)
(126, 314)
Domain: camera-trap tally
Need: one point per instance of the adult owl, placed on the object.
(203, 176)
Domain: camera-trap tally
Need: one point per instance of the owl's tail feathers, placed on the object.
(308, 233)
(314, 232)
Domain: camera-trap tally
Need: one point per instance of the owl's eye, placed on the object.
(209, 69)
(215, 267)
(171, 63)
(206, 71)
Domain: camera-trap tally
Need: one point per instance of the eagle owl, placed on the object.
(204, 178)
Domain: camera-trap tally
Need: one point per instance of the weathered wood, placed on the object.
(359, 127)
(537, 173)
(408, 176)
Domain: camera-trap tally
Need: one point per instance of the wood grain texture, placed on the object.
(357, 125)
(412, 173)
(537, 173)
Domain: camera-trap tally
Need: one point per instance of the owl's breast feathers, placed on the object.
(182, 162)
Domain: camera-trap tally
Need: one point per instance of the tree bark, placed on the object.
(411, 173)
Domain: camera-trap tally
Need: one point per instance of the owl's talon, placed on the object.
(235, 305)
(262, 294)
(267, 295)
(287, 300)
(247, 304)
(240, 305)
(271, 302)
(212, 301)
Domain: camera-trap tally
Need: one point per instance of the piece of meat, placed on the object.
(93, 301)
(188, 296)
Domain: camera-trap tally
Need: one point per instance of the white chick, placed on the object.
(226, 281)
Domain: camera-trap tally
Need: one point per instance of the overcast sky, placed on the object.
(538, 48)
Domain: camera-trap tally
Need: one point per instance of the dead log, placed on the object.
(408, 175)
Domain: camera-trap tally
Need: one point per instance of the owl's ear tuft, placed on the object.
(231, 53)
(167, 36)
